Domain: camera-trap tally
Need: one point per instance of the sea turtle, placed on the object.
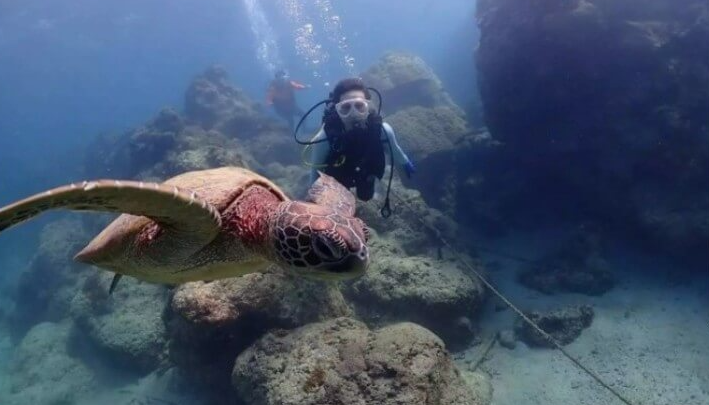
(212, 224)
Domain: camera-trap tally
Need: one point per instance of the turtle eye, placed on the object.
(326, 248)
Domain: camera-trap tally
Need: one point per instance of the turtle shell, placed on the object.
(120, 242)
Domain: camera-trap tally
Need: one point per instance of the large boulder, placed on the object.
(210, 323)
(423, 132)
(43, 370)
(293, 179)
(450, 159)
(437, 294)
(405, 80)
(149, 144)
(211, 101)
(449, 154)
(127, 327)
(274, 145)
(341, 361)
(197, 149)
(564, 325)
(597, 106)
(404, 225)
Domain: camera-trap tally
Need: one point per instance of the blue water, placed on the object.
(72, 71)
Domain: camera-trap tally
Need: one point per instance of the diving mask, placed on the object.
(353, 109)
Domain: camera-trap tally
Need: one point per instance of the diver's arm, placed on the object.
(400, 157)
(297, 86)
(318, 154)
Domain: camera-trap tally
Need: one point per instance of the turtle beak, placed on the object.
(352, 266)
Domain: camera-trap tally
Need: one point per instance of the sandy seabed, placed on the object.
(649, 338)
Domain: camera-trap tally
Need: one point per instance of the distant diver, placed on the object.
(281, 95)
(353, 141)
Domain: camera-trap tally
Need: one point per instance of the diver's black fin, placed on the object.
(114, 283)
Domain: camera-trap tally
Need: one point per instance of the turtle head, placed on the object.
(319, 242)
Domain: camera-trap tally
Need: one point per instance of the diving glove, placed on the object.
(409, 168)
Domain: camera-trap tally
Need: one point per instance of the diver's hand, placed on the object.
(409, 168)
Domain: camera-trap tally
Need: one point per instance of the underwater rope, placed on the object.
(489, 347)
(524, 317)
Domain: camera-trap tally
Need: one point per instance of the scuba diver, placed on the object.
(281, 95)
(353, 141)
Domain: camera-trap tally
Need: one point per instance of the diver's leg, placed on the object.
(365, 188)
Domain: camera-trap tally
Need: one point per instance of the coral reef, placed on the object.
(596, 104)
(342, 361)
(43, 371)
(126, 327)
(577, 266)
(434, 293)
(564, 325)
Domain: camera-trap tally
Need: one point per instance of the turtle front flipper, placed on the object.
(186, 222)
(329, 192)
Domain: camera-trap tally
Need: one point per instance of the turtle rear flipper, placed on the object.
(187, 222)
